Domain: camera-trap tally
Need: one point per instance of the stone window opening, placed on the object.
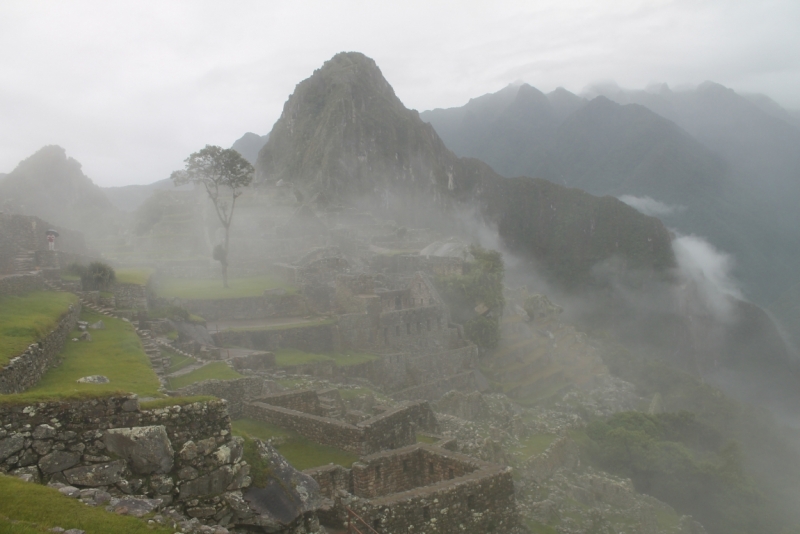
(430, 468)
(378, 472)
(405, 466)
(376, 524)
(426, 513)
(471, 502)
(333, 479)
(450, 473)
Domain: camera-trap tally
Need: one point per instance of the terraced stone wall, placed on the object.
(318, 338)
(322, 430)
(183, 455)
(19, 284)
(305, 401)
(423, 488)
(24, 371)
(236, 392)
(258, 307)
(392, 429)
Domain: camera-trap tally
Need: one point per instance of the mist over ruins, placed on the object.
(372, 320)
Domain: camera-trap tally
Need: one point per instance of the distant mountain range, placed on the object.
(706, 161)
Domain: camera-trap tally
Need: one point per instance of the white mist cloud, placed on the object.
(706, 275)
(650, 206)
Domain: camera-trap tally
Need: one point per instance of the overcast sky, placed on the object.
(132, 88)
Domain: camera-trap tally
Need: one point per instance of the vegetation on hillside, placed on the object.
(739, 465)
(676, 458)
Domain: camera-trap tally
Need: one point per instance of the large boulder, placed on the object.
(147, 448)
(287, 495)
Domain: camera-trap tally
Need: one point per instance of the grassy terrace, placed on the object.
(298, 451)
(114, 352)
(218, 370)
(133, 276)
(24, 319)
(290, 357)
(27, 508)
(212, 288)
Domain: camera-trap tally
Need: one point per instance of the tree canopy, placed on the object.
(223, 173)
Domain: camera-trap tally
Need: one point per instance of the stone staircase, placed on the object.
(25, 262)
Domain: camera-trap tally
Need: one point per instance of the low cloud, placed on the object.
(651, 206)
(706, 273)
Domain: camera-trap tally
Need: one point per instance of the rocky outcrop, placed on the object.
(287, 497)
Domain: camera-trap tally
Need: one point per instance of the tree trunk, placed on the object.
(224, 261)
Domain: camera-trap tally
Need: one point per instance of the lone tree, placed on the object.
(223, 172)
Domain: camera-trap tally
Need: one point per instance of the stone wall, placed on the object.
(318, 338)
(18, 284)
(434, 390)
(304, 400)
(236, 392)
(183, 455)
(322, 430)
(423, 488)
(261, 307)
(22, 233)
(397, 427)
(24, 371)
(392, 429)
(407, 264)
(130, 296)
(405, 469)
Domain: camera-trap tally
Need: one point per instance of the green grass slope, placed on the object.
(27, 508)
(24, 319)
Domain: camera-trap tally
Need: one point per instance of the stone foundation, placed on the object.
(423, 488)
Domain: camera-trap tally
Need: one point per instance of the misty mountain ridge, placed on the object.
(673, 148)
(52, 186)
(345, 137)
(249, 144)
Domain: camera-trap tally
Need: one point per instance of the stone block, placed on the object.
(147, 448)
(58, 461)
(96, 475)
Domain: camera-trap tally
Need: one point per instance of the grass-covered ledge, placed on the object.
(114, 352)
(25, 319)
